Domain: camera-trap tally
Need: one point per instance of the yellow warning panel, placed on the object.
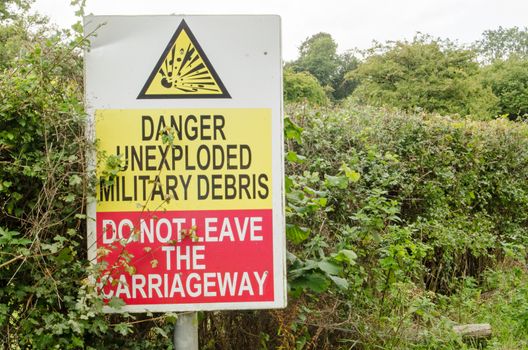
(184, 159)
(183, 71)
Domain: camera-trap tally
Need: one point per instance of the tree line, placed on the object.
(485, 79)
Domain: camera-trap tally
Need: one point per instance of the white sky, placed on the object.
(351, 23)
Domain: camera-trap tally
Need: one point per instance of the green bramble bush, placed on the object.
(418, 204)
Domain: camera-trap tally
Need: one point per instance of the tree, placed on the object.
(509, 82)
(503, 43)
(343, 87)
(302, 86)
(428, 74)
(318, 55)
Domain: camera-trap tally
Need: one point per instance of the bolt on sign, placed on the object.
(186, 115)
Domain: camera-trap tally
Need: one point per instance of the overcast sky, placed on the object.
(352, 23)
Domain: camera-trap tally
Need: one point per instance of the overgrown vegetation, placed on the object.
(482, 81)
(302, 86)
(46, 300)
(318, 56)
(425, 74)
(400, 224)
(508, 81)
(429, 206)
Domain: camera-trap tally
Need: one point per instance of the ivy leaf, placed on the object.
(130, 269)
(65, 256)
(75, 180)
(70, 197)
(52, 248)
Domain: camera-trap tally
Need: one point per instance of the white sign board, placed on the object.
(186, 112)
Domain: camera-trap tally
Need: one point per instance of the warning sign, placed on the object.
(187, 211)
(183, 71)
(214, 160)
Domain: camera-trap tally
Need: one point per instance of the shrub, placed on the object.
(46, 298)
(509, 82)
(301, 87)
(425, 74)
(418, 202)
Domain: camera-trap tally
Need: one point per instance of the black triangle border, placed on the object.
(183, 26)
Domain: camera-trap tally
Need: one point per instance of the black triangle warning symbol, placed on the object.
(183, 71)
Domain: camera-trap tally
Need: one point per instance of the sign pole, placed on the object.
(186, 331)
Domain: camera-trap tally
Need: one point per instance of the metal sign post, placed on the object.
(186, 331)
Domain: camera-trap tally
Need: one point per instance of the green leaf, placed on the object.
(77, 342)
(160, 331)
(336, 181)
(75, 180)
(296, 234)
(291, 130)
(53, 248)
(340, 282)
(171, 317)
(317, 282)
(292, 156)
(116, 303)
(70, 197)
(288, 183)
(314, 281)
(328, 267)
(123, 328)
(352, 175)
(9, 238)
(346, 255)
(64, 255)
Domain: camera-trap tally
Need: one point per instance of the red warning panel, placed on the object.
(187, 257)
